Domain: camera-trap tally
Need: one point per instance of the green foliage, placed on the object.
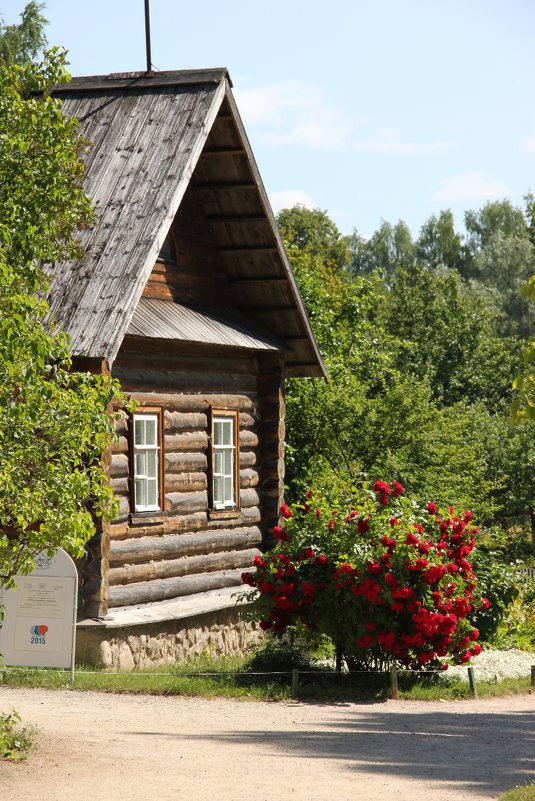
(23, 42)
(282, 653)
(54, 423)
(521, 793)
(389, 249)
(439, 245)
(15, 740)
(449, 331)
(523, 405)
(420, 366)
(516, 628)
(497, 581)
(312, 231)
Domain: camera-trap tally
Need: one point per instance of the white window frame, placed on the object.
(143, 450)
(227, 474)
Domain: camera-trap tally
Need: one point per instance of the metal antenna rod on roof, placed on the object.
(147, 37)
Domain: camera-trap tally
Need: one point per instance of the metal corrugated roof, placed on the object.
(210, 325)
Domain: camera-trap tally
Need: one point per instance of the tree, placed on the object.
(312, 231)
(22, 43)
(450, 331)
(500, 254)
(378, 414)
(523, 405)
(54, 424)
(388, 249)
(419, 389)
(439, 245)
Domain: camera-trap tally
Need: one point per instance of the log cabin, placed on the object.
(186, 296)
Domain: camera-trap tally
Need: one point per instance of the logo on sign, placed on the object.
(42, 560)
(38, 635)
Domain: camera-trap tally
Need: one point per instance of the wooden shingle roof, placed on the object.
(147, 135)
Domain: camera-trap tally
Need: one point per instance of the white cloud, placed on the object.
(311, 135)
(290, 197)
(387, 140)
(529, 143)
(271, 104)
(471, 186)
(295, 114)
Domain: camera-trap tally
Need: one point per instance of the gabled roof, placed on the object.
(153, 138)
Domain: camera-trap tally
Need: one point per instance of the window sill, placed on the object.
(151, 518)
(223, 514)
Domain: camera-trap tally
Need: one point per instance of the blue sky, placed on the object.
(369, 110)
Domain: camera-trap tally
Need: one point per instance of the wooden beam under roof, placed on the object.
(261, 311)
(249, 249)
(232, 218)
(271, 279)
(223, 151)
(224, 185)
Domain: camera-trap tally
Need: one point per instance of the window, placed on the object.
(167, 252)
(147, 482)
(224, 460)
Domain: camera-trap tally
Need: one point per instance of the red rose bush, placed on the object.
(387, 581)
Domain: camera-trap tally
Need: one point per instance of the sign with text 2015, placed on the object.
(38, 629)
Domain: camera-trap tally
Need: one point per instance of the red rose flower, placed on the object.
(431, 508)
(280, 533)
(285, 511)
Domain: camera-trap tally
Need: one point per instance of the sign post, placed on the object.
(39, 626)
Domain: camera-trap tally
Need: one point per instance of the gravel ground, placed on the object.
(102, 747)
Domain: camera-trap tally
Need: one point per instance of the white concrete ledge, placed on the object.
(174, 609)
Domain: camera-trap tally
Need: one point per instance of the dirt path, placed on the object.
(142, 748)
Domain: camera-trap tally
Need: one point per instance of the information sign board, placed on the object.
(39, 626)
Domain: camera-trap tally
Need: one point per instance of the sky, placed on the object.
(368, 110)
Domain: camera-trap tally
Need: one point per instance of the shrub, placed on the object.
(498, 580)
(387, 580)
(15, 741)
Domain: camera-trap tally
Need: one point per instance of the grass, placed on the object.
(250, 679)
(526, 793)
(15, 740)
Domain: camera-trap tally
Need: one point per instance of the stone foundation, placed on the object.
(219, 633)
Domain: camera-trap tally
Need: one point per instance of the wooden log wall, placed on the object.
(196, 246)
(188, 548)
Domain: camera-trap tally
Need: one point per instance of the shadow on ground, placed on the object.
(482, 752)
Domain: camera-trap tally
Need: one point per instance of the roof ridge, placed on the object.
(144, 79)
